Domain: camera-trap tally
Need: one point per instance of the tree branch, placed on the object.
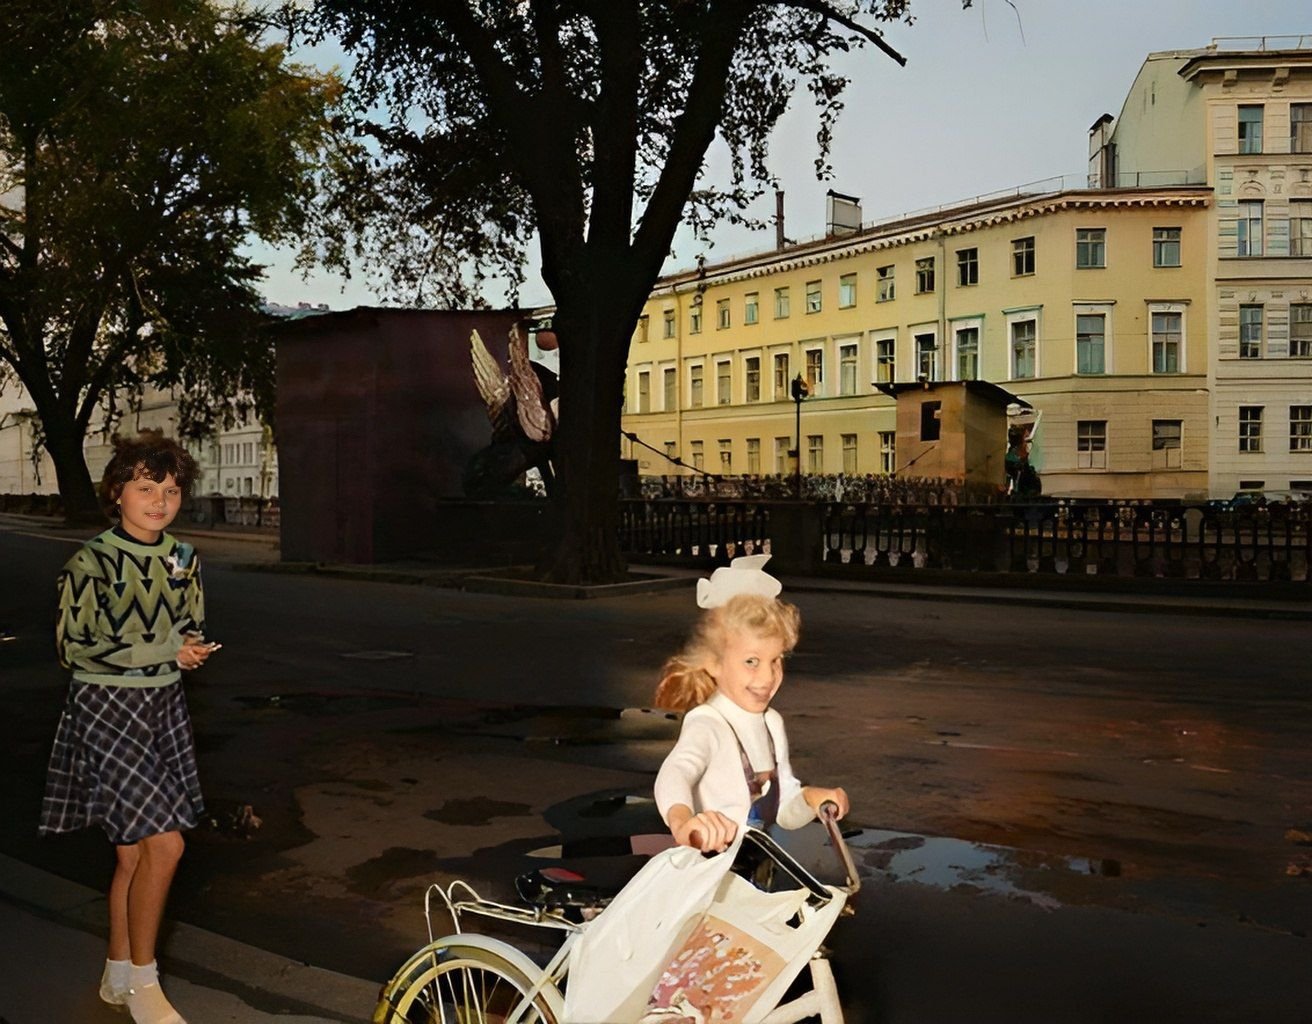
(827, 10)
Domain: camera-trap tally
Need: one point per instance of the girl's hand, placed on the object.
(815, 796)
(707, 831)
(194, 652)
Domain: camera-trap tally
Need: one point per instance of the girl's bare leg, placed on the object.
(148, 890)
(128, 858)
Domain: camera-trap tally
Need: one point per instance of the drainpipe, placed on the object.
(946, 371)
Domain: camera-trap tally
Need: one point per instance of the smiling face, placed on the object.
(146, 506)
(750, 669)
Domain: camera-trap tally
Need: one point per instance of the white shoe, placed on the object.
(149, 1005)
(112, 994)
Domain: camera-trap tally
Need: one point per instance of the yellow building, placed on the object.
(1069, 298)
(1152, 320)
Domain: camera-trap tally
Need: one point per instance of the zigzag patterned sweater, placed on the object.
(124, 608)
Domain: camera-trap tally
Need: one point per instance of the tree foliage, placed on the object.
(142, 143)
(587, 122)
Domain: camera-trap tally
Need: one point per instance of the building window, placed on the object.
(643, 335)
(1024, 346)
(1300, 226)
(924, 275)
(813, 296)
(726, 456)
(782, 447)
(1250, 128)
(782, 303)
(1166, 439)
(1090, 343)
(1248, 239)
(1091, 444)
(815, 369)
(1300, 127)
(1300, 428)
(885, 356)
(1022, 257)
(752, 308)
(667, 324)
(695, 320)
(1250, 428)
(847, 291)
(1300, 330)
(671, 450)
(723, 383)
(754, 456)
(1250, 332)
(752, 372)
(695, 395)
(967, 267)
(247, 452)
(781, 377)
(888, 451)
(1168, 329)
(884, 291)
(721, 314)
(847, 369)
(967, 353)
(698, 455)
(815, 453)
(1090, 248)
(1166, 247)
(849, 453)
(644, 391)
(931, 420)
(926, 356)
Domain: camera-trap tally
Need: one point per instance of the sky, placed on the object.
(991, 98)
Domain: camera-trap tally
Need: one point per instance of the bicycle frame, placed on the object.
(546, 982)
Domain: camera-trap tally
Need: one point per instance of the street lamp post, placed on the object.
(800, 389)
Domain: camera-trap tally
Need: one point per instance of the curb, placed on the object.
(197, 954)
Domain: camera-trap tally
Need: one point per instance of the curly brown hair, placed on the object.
(686, 679)
(149, 454)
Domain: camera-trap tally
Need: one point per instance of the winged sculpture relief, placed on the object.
(522, 405)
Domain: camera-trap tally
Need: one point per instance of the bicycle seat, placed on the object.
(578, 888)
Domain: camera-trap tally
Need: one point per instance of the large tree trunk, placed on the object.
(63, 440)
(594, 342)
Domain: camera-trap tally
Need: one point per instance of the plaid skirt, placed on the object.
(123, 759)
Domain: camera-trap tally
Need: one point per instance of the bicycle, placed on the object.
(468, 977)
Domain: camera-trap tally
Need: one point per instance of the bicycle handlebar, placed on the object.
(829, 818)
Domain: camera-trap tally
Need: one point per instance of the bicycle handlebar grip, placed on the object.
(829, 809)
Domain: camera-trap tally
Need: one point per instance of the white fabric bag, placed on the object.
(689, 935)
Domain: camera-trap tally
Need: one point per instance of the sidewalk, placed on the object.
(50, 940)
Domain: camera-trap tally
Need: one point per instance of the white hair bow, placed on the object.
(745, 575)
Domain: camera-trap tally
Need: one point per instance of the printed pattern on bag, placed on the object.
(720, 969)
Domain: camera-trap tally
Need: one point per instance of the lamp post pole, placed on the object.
(800, 389)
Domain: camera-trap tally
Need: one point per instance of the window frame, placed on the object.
(848, 387)
(1259, 349)
(1300, 313)
(1091, 445)
(751, 308)
(697, 385)
(1249, 142)
(780, 388)
(968, 267)
(1156, 309)
(885, 343)
(925, 275)
(815, 454)
(1013, 353)
(814, 297)
(935, 370)
(848, 443)
(1303, 121)
(753, 456)
(816, 382)
(1092, 249)
(1161, 242)
(723, 382)
(1024, 258)
(783, 303)
(1300, 428)
(643, 390)
(669, 388)
(847, 291)
(723, 315)
(973, 325)
(888, 452)
(886, 284)
(751, 378)
(669, 324)
(1244, 236)
(1249, 420)
(1300, 226)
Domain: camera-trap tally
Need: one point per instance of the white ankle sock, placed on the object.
(146, 1000)
(115, 981)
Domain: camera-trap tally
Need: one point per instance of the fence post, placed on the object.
(796, 537)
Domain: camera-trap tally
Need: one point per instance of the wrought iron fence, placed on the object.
(1180, 542)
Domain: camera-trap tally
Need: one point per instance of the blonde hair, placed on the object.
(686, 680)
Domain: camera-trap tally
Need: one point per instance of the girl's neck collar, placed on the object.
(123, 537)
(731, 710)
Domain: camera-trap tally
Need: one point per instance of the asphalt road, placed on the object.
(1068, 814)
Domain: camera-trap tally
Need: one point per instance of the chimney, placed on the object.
(779, 239)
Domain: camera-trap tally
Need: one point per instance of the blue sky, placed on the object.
(988, 101)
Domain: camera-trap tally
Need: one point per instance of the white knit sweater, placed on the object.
(705, 772)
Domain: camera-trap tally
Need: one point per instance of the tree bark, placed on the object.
(593, 346)
(63, 440)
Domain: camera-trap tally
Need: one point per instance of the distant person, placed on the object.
(131, 619)
(730, 766)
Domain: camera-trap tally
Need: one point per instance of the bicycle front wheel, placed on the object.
(455, 984)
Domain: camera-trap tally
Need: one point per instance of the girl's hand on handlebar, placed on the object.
(817, 796)
(708, 831)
